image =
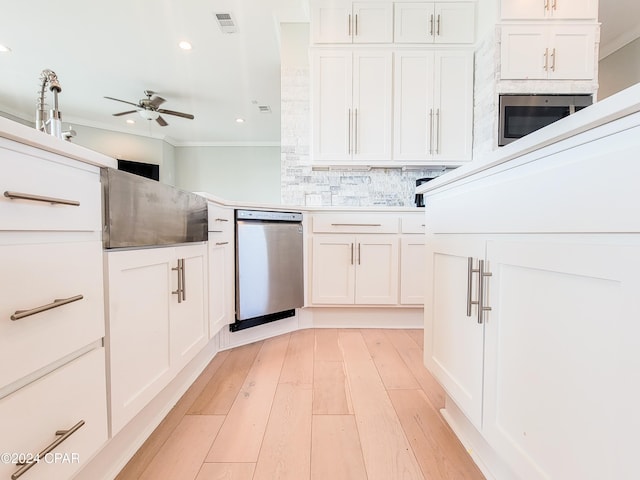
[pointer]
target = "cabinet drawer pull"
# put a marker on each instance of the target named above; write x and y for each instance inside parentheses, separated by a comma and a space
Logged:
(19, 314)
(221, 219)
(546, 60)
(431, 26)
(359, 255)
(184, 283)
(352, 254)
(349, 24)
(39, 198)
(470, 272)
(481, 276)
(178, 269)
(438, 28)
(553, 60)
(356, 24)
(356, 224)
(62, 436)
(222, 243)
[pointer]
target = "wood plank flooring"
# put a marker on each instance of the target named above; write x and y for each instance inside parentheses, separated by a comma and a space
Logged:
(320, 404)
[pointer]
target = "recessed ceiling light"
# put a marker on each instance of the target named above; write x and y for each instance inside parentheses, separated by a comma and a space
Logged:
(184, 45)
(131, 122)
(239, 120)
(4, 49)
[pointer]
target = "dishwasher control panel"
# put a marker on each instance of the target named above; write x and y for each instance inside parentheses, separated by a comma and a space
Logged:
(268, 215)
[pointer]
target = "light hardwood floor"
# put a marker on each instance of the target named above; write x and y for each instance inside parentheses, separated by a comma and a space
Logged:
(321, 404)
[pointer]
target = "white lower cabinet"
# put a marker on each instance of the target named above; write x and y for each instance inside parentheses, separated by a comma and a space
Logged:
(540, 376)
(412, 269)
(561, 363)
(157, 303)
(221, 268)
(454, 340)
(68, 406)
(355, 269)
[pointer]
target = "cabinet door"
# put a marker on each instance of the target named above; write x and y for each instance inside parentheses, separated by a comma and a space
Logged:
(454, 23)
(573, 53)
(221, 285)
(540, 9)
(376, 270)
(561, 365)
(453, 104)
(331, 105)
(413, 23)
(413, 100)
(454, 342)
(524, 52)
(333, 272)
(372, 22)
(140, 285)
(189, 318)
(331, 23)
(412, 269)
(372, 91)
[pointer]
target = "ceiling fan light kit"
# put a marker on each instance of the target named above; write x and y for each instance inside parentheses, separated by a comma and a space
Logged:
(148, 109)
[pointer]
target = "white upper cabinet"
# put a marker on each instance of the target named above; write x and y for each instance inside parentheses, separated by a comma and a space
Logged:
(357, 22)
(434, 22)
(559, 52)
(351, 103)
(433, 106)
(547, 9)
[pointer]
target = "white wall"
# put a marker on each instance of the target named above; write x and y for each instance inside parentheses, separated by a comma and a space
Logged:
(619, 70)
(248, 174)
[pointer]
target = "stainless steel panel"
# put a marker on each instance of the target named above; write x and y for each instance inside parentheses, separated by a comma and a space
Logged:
(140, 212)
(269, 270)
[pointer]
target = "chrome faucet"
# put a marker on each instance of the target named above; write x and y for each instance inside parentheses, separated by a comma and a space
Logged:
(53, 124)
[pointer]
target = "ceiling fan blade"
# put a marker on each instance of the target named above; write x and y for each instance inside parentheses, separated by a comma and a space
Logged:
(157, 101)
(177, 114)
(161, 122)
(124, 113)
(123, 101)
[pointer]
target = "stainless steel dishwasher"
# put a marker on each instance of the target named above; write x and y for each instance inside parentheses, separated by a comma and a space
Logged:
(269, 266)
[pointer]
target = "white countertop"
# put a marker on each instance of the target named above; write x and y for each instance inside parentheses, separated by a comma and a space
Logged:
(303, 208)
(30, 136)
(620, 105)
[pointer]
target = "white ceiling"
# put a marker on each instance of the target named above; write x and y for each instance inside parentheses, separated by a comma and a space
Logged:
(119, 48)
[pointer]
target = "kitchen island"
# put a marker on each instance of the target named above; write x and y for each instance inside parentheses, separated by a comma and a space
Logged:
(531, 312)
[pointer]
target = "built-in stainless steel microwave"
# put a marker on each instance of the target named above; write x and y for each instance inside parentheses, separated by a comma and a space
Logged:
(523, 114)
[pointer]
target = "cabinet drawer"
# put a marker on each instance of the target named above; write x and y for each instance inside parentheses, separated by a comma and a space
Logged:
(31, 416)
(63, 197)
(413, 224)
(35, 276)
(220, 219)
(361, 223)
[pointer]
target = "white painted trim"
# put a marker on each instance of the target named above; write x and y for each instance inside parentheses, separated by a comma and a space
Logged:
(226, 144)
(619, 42)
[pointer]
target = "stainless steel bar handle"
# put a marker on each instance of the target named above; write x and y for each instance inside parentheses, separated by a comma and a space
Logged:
(554, 5)
(356, 224)
(553, 60)
(470, 272)
(356, 24)
(438, 29)
(481, 306)
(546, 4)
(184, 283)
(221, 219)
(19, 314)
(62, 436)
(431, 26)
(352, 254)
(40, 198)
(349, 24)
(355, 129)
(222, 243)
(179, 290)
(359, 257)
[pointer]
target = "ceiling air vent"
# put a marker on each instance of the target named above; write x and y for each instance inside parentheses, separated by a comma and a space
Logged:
(264, 108)
(226, 23)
